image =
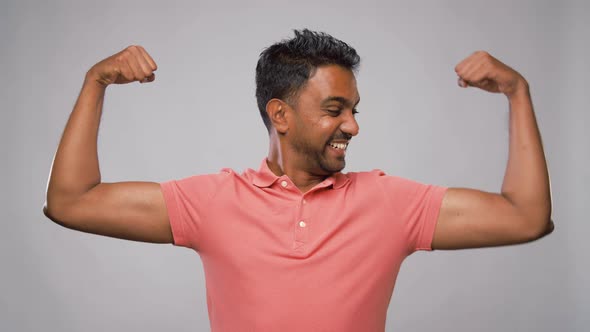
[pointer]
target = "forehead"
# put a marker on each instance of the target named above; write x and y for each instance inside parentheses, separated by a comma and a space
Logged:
(330, 81)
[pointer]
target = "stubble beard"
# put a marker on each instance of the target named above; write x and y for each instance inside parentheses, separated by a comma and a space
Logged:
(317, 159)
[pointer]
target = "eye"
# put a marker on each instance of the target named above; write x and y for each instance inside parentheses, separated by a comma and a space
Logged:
(354, 111)
(334, 111)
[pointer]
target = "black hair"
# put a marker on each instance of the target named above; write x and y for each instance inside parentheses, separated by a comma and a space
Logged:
(284, 67)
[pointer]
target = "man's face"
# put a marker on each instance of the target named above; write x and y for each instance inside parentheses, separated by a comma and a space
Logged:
(323, 121)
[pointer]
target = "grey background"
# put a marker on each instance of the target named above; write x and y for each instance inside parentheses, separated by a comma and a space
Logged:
(200, 115)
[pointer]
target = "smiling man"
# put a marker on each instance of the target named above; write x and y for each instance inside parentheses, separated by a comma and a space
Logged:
(309, 133)
(297, 245)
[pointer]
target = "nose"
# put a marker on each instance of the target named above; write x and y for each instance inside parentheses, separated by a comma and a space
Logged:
(349, 124)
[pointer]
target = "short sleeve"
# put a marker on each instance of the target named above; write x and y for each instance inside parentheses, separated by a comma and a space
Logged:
(186, 202)
(416, 206)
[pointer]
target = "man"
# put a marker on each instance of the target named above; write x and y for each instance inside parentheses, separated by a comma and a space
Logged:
(298, 245)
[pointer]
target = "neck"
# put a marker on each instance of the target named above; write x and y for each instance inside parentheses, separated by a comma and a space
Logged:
(281, 163)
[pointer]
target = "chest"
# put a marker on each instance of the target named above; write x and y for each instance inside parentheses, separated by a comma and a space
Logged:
(273, 229)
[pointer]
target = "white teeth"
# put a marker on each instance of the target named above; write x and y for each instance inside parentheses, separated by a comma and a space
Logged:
(341, 146)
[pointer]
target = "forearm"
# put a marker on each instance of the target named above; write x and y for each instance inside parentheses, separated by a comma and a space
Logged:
(75, 168)
(526, 181)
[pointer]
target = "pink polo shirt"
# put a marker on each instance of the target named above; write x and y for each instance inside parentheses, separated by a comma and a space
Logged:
(279, 260)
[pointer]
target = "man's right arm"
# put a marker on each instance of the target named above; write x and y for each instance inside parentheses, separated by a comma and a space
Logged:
(76, 197)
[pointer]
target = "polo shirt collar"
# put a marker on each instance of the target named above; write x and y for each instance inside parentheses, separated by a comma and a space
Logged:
(264, 178)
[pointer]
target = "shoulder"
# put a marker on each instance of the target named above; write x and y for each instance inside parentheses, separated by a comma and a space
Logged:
(376, 175)
(390, 184)
(202, 181)
(356, 177)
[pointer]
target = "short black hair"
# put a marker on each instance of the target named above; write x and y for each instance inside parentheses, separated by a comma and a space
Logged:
(284, 67)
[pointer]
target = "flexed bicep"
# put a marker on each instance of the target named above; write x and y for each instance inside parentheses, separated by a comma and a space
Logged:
(127, 210)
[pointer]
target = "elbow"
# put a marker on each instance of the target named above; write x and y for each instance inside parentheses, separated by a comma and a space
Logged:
(49, 212)
(535, 220)
(55, 212)
(546, 229)
(65, 208)
(540, 228)
(545, 222)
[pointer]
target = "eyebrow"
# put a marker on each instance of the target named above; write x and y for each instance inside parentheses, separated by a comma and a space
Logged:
(342, 100)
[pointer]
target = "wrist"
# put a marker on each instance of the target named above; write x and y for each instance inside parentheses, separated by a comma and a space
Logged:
(93, 79)
(519, 92)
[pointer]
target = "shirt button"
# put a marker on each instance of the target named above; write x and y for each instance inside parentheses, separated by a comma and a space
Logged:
(302, 224)
(304, 202)
(284, 184)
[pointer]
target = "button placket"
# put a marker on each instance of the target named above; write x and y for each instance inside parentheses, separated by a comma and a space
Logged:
(302, 223)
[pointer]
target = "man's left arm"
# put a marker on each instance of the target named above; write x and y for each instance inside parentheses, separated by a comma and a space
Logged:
(521, 213)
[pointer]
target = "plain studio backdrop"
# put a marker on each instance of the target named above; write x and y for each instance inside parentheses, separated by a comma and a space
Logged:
(200, 115)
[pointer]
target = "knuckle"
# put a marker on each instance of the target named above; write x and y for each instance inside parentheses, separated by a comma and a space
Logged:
(126, 52)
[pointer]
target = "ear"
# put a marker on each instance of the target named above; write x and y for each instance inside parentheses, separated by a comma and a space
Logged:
(276, 110)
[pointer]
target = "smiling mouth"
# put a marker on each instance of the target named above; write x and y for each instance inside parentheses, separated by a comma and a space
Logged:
(340, 146)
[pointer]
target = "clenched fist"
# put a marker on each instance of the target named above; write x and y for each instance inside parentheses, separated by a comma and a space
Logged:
(483, 71)
(130, 65)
